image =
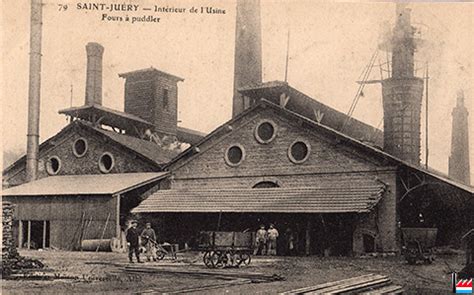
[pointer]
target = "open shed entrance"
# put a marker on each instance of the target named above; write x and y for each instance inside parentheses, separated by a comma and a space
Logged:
(34, 234)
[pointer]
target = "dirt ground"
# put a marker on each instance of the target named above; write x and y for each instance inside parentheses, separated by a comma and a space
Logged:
(100, 273)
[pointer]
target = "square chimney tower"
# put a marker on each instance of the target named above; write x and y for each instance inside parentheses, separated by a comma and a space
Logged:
(152, 95)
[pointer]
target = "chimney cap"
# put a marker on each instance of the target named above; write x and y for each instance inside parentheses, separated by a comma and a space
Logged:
(94, 46)
(150, 71)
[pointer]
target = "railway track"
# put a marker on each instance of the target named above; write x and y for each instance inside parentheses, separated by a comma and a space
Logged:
(366, 284)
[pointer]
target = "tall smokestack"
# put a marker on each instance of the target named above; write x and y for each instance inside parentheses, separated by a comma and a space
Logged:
(459, 159)
(34, 88)
(248, 51)
(402, 94)
(95, 52)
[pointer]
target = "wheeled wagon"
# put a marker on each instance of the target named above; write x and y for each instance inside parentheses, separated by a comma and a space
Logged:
(226, 249)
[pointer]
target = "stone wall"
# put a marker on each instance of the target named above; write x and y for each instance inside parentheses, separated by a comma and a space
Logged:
(8, 242)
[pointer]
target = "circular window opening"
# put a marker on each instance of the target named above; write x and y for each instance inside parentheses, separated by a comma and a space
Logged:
(299, 151)
(234, 155)
(106, 162)
(53, 165)
(80, 147)
(265, 132)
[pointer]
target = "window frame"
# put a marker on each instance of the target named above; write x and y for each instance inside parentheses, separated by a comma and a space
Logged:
(308, 147)
(226, 155)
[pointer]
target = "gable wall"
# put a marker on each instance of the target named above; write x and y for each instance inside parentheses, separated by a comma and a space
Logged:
(125, 161)
(327, 157)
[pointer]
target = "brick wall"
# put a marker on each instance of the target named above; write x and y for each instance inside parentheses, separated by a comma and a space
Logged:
(145, 98)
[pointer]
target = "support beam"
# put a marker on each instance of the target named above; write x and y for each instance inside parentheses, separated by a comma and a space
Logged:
(117, 217)
(44, 234)
(28, 241)
(20, 234)
(308, 236)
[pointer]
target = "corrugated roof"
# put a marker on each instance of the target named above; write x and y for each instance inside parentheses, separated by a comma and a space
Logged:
(343, 199)
(92, 184)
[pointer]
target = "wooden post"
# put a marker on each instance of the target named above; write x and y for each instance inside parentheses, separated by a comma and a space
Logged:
(308, 236)
(20, 234)
(117, 218)
(44, 234)
(103, 232)
(28, 241)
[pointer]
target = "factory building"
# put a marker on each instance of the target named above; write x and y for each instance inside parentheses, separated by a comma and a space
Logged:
(342, 186)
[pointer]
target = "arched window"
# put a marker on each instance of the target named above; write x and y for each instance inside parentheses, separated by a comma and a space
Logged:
(266, 184)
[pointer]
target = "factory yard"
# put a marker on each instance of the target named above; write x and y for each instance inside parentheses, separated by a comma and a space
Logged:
(103, 273)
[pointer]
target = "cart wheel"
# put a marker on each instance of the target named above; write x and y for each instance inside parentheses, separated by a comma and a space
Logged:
(207, 259)
(218, 259)
(160, 255)
(244, 259)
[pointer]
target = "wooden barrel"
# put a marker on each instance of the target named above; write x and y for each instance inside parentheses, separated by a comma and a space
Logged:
(105, 245)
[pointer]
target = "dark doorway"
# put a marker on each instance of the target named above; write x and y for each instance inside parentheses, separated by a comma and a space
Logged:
(369, 243)
(34, 234)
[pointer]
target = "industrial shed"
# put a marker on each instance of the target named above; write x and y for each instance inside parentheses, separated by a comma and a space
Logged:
(271, 165)
(61, 211)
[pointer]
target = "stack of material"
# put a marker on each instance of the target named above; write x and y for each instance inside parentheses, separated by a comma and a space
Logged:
(11, 260)
(366, 284)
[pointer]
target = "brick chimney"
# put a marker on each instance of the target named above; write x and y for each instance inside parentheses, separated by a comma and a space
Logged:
(152, 95)
(95, 52)
(459, 159)
(248, 52)
(402, 94)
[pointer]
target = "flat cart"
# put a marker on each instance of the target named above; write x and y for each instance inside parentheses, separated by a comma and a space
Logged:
(226, 249)
(418, 244)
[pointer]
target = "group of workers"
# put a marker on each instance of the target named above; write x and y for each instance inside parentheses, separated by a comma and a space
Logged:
(148, 239)
(266, 240)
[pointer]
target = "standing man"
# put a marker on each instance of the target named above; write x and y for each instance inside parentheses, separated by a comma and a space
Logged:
(149, 236)
(272, 235)
(133, 241)
(261, 239)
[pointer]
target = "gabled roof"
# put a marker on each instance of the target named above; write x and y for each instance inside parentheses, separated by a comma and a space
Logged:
(90, 184)
(340, 199)
(263, 103)
(306, 106)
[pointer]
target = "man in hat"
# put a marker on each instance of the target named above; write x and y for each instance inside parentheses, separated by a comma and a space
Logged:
(272, 235)
(261, 240)
(133, 241)
(149, 238)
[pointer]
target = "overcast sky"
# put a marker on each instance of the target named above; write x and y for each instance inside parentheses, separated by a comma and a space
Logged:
(330, 44)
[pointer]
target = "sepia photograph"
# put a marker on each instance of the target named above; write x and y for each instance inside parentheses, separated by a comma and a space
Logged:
(237, 147)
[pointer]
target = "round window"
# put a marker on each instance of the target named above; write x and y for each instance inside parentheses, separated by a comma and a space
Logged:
(53, 165)
(234, 155)
(79, 147)
(265, 132)
(106, 162)
(299, 151)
